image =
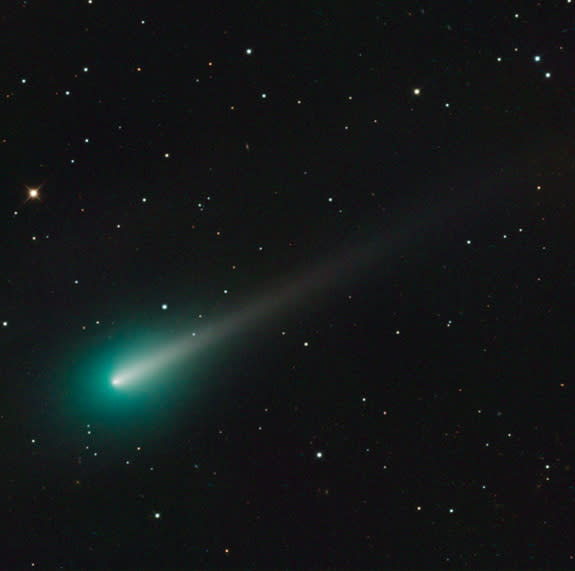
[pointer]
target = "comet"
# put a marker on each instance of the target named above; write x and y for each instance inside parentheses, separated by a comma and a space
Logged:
(281, 298)
(293, 293)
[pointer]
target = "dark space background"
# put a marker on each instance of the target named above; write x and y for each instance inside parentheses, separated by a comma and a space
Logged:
(162, 161)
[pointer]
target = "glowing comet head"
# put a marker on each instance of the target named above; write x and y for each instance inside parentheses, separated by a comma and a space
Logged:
(117, 381)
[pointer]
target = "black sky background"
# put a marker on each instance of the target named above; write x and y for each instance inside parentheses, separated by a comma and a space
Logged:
(448, 445)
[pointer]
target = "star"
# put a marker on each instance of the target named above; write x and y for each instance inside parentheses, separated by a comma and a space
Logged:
(33, 193)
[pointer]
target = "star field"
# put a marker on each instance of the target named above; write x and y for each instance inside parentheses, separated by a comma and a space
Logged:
(287, 286)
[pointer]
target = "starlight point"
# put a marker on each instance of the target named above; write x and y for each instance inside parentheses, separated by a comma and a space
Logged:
(33, 193)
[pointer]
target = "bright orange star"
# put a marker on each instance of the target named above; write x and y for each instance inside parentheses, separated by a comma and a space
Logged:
(33, 192)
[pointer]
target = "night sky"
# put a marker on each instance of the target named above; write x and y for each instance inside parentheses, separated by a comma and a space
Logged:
(287, 285)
